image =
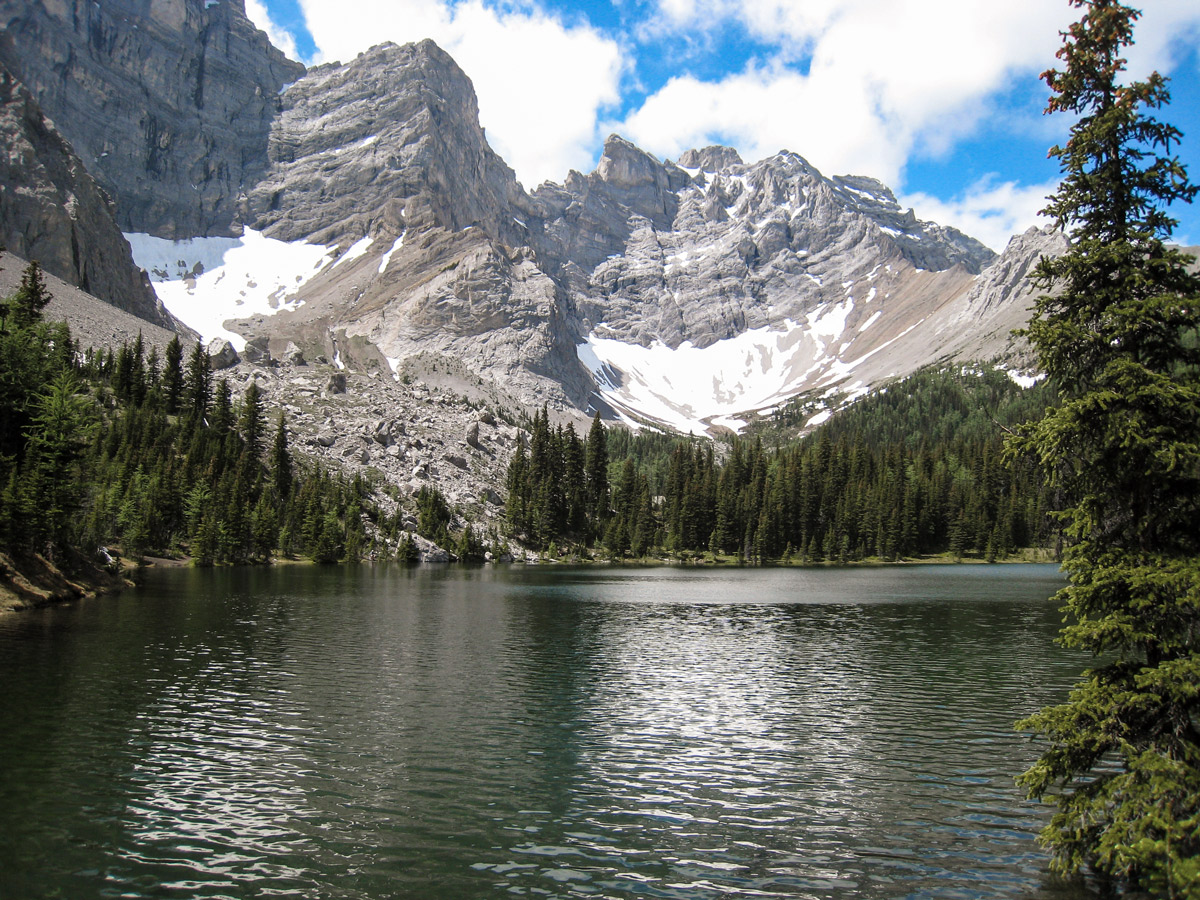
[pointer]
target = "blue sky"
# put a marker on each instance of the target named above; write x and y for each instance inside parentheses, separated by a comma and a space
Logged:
(940, 99)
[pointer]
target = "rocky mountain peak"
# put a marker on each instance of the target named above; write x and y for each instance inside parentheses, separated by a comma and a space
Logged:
(590, 218)
(167, 102)
(626, 166)
(710, 159)
(387, 142)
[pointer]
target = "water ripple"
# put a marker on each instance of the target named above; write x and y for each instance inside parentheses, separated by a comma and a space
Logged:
(374, 734)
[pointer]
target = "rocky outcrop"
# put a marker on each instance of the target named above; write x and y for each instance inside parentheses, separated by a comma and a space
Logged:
(998, 302)
(53, 211)
(168, 103)
(591, 217)
(711, 159)
(388, 143)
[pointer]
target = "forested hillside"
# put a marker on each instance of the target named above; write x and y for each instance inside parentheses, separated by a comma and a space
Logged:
(151, 454)
(912, 471)
(156, 456)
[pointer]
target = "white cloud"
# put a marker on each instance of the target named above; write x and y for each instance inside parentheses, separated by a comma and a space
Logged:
(542, 84)
(763, 111)
(257, 13)
(990, 211)
(886, 79)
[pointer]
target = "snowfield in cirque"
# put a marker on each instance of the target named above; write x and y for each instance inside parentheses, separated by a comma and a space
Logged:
(204, 282)
(693, 389)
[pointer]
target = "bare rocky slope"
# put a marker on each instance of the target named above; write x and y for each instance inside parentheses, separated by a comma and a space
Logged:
(53, 211)
(355, 213)
(93, 322)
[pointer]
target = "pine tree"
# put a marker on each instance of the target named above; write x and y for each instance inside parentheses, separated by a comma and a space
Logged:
(26, 305)
(172, 375)
(58, 438)
(198, 382)
(222, 409)
(250, 422)
(281, 461)
(1118, 334)
(595, 471)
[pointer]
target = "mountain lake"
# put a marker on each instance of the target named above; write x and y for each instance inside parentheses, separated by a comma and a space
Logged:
(445, 732)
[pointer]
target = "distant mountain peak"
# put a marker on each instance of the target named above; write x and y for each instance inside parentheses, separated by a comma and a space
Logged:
(357, 210)
(710, 159)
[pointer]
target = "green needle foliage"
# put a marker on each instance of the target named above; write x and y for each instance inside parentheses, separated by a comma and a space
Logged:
(108, 448)
(1117, 331)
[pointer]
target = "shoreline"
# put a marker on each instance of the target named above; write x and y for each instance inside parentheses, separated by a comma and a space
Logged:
(33, 582)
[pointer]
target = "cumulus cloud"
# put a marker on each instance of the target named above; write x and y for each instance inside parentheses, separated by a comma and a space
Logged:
(257, 13)
(991, 211)
(884, 80)
(543, 84)
(866, 86)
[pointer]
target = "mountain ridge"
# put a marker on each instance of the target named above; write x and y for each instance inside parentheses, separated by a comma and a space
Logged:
(367, 220)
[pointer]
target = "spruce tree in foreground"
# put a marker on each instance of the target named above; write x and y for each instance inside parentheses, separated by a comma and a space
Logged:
(1118, 333)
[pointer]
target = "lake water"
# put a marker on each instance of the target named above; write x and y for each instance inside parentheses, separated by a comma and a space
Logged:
(363, 732)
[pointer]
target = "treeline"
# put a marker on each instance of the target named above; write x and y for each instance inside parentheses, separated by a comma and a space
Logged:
(152, 454)
(913, 471)
(558, 486)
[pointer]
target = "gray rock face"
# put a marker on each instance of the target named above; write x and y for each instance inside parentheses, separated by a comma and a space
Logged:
(221, 353)
(168, 103)
(710, 159)
(388, 143)
(999, 301)
(752, 246)
(590, 218)
(53, 211)
(439, 263)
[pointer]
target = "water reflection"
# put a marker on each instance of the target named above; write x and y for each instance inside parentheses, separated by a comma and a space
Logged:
(354, 733)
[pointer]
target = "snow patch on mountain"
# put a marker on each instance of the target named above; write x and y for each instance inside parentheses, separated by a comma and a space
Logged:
(693, 389)
(357, 249)
(387, 257)
(206, 281)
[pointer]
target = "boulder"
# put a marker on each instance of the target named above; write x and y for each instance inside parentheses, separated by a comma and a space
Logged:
(257, 350)
(221, 353)
(292, 355)
(472, 435)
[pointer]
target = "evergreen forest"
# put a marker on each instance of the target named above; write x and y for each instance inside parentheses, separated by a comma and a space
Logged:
(153, 454)
(912, 471)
